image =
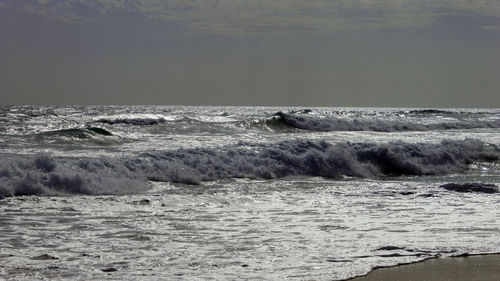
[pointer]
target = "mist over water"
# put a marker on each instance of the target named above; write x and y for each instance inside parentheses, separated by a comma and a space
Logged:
(133, 192)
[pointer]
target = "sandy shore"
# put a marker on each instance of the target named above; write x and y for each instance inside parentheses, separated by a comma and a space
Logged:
(470, 268)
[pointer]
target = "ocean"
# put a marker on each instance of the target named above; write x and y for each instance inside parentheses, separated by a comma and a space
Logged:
(242, 193)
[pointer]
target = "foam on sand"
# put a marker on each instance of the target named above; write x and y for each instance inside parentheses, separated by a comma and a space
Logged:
(465, 267)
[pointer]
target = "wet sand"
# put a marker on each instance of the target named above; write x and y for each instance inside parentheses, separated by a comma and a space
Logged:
(468, 268)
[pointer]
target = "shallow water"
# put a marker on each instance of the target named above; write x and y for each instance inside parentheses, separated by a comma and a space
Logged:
(294, 229)
(300, 227)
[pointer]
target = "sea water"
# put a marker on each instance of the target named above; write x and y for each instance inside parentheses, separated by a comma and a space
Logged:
(224, 193)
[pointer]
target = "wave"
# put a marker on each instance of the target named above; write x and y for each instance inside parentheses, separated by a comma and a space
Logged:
(132, 121)
(90, 135)
(313, 123)
(273, 124)
(45, 175)
(79, 132)
(431, 111)
(471, 187)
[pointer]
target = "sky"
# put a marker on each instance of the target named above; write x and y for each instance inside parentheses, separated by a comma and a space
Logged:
(393, 53)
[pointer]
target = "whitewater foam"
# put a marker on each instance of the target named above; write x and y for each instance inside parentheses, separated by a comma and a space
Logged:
(40, 175)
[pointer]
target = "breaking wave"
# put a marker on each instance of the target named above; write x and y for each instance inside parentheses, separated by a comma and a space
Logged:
(46, 175)
(274, 124)
(313, 123)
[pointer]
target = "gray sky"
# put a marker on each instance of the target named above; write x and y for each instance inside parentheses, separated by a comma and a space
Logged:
(261, 52)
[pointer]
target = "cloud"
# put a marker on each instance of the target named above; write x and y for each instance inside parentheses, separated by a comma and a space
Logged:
(491, 27)
(244, 16)
(61, 11)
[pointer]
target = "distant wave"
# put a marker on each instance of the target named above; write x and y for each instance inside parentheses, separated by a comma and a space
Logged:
(430, 111)
(41, 175)
(304, 120)
(314, 123)
(132, 121)
(79, 132)
(90, 135)
(42, 113)
(274, 124)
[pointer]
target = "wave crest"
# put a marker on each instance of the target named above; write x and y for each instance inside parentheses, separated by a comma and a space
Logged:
(313, 123)
(89, 135)
(132, 121)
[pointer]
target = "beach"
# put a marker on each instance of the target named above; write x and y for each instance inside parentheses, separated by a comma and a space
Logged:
(474, 267)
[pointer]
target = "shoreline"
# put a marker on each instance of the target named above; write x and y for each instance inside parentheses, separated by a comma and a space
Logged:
(484, 267)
